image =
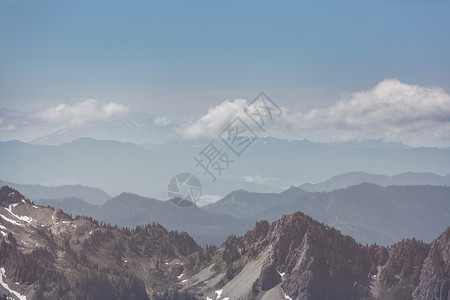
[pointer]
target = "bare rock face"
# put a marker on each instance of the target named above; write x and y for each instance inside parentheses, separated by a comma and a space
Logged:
(185, 243)
(9, 196)
(258, 233)
(269, 276)
(47, 254)
(434, 282)
(309, 260)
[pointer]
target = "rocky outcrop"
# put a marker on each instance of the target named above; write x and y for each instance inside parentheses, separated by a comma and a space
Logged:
(309, 260)
(258, 233)
(9, 196)
(434, 282)
(47, 254)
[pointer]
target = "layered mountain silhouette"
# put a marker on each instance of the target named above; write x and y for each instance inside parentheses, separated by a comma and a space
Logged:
(354, 178)
(35, 192)
(46, 254)
(367, 212)
(267, 165)
(130, 210)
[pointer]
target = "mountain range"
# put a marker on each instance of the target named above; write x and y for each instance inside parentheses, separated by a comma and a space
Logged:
(267, 165)
(35, 192)
(46, 254)
(97, 196)
(367, 212)
(130, 210)
(353, 178)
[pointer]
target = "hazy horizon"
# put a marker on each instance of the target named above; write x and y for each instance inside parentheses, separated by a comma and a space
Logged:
(154, 72)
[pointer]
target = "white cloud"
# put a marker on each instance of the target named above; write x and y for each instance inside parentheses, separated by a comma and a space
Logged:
(80, 113)
(258, 179)
(215, 120)
(162, 121)
(28, 126)
(391, 105)
(391, 111)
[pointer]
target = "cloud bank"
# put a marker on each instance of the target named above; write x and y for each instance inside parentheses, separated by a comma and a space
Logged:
(391, 105)
(27, 126)
(391, 111)
(258, 179)
(80, 113)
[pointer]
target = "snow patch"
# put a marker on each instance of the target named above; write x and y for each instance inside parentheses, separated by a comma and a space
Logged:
(10, 220)
(5, 285)
(184, 281)
(2, 227)
(287, 297)
(281, 274)
(25, 218)
(4, 233)
(218, 292)
(179, 276)
(22, 218)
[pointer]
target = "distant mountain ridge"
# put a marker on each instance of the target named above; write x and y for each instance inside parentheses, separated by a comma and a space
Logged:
(267, 165)
(35, 192)
(112, 166)
(354, 178)
(367, 212)
(130, 210)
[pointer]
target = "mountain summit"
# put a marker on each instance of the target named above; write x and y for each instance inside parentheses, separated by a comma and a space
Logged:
(47, 254)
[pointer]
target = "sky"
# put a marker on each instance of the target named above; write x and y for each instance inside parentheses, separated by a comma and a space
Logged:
(340, 70)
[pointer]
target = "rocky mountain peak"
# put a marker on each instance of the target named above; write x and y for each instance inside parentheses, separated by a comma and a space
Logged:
(9, 196)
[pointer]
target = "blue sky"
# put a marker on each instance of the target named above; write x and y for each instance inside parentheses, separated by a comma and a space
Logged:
(187, 56)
